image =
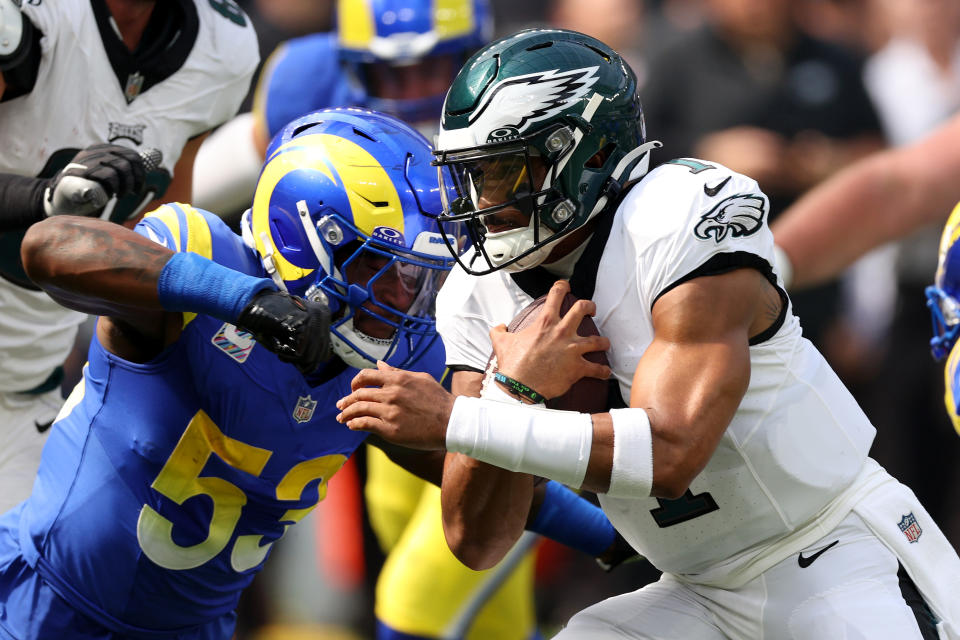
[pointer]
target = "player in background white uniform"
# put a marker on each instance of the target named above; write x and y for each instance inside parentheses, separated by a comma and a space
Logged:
(740, 466)
(144, 75)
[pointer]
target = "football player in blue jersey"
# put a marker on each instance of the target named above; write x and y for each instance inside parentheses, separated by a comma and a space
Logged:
(204, 424)
(393, 56)
(943, 300)
(398, 57)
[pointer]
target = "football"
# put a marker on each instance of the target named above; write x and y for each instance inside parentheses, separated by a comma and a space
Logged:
(587, 395)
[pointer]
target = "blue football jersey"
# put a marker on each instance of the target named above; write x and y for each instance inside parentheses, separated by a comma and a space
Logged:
(282, 94)
(164, 485)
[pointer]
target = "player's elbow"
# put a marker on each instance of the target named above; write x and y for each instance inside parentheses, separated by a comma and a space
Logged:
(674, 470)
(38, 245)
(475, 550)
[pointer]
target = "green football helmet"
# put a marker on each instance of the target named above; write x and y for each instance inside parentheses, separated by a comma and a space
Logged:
(540, 130)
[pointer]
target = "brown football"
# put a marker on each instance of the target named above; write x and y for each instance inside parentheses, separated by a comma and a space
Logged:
(588, 395)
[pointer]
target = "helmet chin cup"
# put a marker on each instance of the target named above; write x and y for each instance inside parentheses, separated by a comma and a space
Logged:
(357, 349)
(507, 245)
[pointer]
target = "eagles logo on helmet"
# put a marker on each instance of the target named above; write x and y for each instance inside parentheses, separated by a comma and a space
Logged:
(540, 131)
(345, 212)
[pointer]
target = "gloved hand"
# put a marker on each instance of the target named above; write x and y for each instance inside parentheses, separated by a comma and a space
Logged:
(96, 174)
(297, 330)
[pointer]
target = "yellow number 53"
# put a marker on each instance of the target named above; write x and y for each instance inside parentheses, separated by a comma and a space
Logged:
(180, 479)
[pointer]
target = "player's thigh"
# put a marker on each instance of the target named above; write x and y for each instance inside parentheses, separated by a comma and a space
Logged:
(421, 566)
(851, 590)
(664, 609)
(392, 494)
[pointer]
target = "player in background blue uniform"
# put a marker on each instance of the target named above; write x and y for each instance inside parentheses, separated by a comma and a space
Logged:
(393, 56)
(204, 424)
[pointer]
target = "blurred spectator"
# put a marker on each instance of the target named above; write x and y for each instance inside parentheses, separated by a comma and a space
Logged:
(751, 91)
(914, 80)
(619, 23)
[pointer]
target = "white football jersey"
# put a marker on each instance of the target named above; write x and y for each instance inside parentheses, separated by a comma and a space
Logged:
(79, 100)
(798, 439)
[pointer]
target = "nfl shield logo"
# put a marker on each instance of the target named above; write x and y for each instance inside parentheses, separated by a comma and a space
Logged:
(908, 524)
(304, 409)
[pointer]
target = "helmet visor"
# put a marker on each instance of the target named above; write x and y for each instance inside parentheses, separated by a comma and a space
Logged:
(507, 179)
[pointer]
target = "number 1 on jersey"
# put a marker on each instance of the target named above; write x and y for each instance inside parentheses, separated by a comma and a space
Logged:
(686, 507)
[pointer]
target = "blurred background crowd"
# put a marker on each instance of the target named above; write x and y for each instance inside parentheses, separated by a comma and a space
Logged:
(786, 91)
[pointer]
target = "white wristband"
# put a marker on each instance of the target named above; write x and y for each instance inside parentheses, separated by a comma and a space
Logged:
(527, 438)
(632, 473)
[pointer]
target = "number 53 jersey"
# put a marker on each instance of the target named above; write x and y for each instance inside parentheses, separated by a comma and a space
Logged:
(164, 485)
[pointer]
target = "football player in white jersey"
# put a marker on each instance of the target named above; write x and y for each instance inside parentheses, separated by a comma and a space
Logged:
(123, 74)
(738, 462)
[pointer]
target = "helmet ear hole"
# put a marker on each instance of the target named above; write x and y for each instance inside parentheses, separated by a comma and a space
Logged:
(597, 160)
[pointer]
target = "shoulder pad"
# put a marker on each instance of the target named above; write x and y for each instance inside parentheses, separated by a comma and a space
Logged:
(16, 34)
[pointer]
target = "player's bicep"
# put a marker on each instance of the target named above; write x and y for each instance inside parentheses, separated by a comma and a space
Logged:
(694, 374)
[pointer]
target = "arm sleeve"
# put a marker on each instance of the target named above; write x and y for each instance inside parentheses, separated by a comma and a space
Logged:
(21, 201)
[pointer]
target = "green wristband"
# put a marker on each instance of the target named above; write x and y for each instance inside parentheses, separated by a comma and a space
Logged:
(517, 388)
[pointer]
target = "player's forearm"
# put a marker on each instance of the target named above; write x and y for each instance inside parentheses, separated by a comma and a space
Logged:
(837, 222)
(21, 201)
(485, 509)
(872, 202)
(94, 266)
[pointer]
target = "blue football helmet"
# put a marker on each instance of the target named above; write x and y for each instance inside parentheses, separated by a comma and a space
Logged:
(345, 213)
(382, 40)
(943, 297)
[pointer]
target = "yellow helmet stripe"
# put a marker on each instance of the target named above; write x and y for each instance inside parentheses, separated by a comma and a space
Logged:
(453, 18)
(949, 372)
(951, 232)
(356, 26)
(374, 200)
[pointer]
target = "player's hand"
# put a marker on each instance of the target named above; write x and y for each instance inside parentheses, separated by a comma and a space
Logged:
(547, 355)
(403, 407)
(297, 330)
(95, 175)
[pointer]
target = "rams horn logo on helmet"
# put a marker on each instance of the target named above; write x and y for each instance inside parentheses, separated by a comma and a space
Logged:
(741, 215)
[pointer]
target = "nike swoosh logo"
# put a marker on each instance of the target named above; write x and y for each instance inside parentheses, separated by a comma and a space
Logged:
(43, 426)
(806, 562)
(712, 191)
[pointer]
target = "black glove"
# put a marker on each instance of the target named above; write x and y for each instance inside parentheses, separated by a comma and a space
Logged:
(619, 552)
(297, 330)
(95, 174)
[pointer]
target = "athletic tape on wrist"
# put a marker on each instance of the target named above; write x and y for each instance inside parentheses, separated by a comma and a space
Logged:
(189, 282)
(574, 521)
(527, 438)
(632, 473)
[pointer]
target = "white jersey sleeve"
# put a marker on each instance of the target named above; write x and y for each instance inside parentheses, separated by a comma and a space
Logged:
(687, 221)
